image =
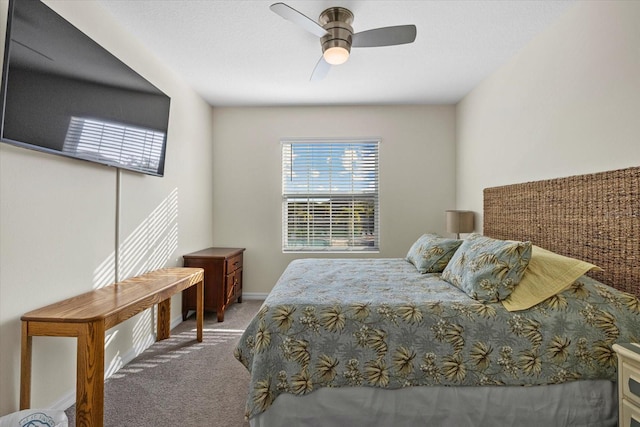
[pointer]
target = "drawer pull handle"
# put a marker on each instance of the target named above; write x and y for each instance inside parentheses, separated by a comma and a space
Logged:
(634, 387)
(236, 263)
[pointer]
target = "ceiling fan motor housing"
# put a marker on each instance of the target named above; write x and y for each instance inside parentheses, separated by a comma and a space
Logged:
(337, 22)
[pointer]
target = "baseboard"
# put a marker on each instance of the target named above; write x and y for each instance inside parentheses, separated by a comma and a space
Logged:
(254, 295)
(176, 321)
(69, 398)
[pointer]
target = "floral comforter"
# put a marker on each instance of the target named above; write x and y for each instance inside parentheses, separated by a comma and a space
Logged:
(380, 323)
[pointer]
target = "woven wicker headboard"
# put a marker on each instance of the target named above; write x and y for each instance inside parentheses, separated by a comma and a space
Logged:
(593, 217)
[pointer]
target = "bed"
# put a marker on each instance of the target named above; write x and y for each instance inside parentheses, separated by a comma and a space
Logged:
(377, 342)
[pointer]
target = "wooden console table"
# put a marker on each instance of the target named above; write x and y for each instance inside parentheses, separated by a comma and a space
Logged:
(89, 315)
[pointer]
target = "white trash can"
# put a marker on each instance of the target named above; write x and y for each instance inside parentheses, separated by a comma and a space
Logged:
(35, 418)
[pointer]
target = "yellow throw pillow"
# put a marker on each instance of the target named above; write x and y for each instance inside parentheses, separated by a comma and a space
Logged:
(546, 275)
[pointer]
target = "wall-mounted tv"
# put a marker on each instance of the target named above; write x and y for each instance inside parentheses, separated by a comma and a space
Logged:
(62, 93)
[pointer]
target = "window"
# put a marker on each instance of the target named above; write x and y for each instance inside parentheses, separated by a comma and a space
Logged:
(330, 195)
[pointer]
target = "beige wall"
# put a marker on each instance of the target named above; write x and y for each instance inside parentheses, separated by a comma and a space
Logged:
(58, 216)
(567, 104)
(416, 175)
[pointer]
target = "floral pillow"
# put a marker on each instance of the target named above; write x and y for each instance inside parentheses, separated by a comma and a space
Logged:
(431, 253)
(488, 269)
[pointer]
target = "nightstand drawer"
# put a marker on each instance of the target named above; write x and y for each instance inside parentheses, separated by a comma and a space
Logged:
(631, 382)
(234, 263)
(630, 416)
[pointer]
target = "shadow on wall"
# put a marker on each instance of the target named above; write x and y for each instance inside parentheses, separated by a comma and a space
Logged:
(147, 248)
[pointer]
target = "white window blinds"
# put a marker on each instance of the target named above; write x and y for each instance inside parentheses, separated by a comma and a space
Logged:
(330, 195)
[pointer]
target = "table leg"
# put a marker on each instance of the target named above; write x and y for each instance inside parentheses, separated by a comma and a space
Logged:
(90, 375)
(199, 309)
(164, 320)
(25, 367)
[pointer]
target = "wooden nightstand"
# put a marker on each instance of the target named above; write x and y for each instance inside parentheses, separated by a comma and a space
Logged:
(628, 384)
(222, 279)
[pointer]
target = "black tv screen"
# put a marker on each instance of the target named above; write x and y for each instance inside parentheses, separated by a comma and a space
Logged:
(62, 93)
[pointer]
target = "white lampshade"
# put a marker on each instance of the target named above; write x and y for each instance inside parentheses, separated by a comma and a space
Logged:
(459, 222)
(336, 55)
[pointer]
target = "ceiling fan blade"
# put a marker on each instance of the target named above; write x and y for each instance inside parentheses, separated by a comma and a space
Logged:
(385, 36)
(321, 70)
(290, 14)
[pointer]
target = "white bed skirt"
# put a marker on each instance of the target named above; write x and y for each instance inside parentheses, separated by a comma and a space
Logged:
(579, 403)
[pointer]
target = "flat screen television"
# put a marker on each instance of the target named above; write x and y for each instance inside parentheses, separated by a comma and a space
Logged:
(64, 94)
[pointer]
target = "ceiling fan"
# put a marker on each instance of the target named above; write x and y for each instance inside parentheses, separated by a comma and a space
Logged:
(337, 36)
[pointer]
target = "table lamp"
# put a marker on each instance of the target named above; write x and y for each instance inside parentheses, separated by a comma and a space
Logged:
(459, 222)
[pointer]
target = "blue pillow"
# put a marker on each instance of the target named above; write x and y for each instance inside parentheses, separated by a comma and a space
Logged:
(488, 269)
(431, 253)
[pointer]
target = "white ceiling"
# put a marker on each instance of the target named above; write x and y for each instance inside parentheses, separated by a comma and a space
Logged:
(239, 53)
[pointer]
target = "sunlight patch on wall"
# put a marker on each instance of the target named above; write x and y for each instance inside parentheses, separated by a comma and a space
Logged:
(115, 363)
(105, 273)
(151, 244)
(142, 337)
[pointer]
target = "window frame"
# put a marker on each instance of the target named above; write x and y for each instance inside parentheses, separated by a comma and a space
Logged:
(335, 201)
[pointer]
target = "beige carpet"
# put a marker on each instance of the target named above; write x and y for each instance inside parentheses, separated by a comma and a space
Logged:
(181, 382)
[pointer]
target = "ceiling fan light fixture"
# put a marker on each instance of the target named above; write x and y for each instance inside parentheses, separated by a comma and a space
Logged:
(336, 55)
(336, 44)
(337, 36)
